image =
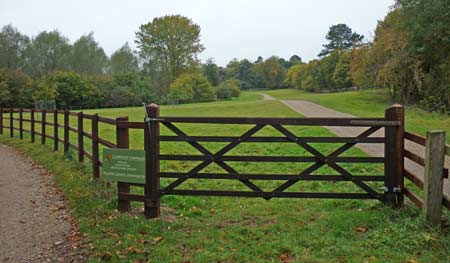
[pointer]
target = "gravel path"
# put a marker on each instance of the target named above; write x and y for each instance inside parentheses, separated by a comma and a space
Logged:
(34, 223)
(310, 109)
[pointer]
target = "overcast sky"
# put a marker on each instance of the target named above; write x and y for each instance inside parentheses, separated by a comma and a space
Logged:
(229, 28)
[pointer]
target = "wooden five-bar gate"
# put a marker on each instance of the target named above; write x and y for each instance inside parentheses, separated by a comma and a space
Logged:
(393, 140)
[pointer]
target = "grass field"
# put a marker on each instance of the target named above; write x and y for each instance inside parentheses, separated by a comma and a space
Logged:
(369, 103)
(221, 229)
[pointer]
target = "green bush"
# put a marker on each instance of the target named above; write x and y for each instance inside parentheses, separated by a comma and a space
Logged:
(228, 89)
(191, 87)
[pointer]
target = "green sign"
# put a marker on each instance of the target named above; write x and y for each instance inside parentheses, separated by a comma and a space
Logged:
(123, 165)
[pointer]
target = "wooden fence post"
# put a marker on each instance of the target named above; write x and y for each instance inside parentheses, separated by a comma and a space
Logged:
(95, 152)
(394, 156)
(11, 122)
(43, 124)
(66, 131)
(21, 123)
(55, 130)
(122, 141)
(152, 204)
(433, 181)
(32, 126)
(80, 137)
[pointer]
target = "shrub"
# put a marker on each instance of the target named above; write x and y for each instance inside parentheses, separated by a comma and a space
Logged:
(73, 91)
(191, 87)
(228, 89)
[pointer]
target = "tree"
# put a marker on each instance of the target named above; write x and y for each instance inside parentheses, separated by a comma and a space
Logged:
(341, 37)
(271, 72)
(361, 69)
(123, 60)
(295, 75)
(427, 26)
(88, 57)
(45, 90)
(242, 71)
(12, 47)
(72, 90)
(259, 60)
(323, 72)
(17, 86)
(294, 60)
(211, 71)
(169, 44)
(341, 73)
(4, 94)
(48, 51)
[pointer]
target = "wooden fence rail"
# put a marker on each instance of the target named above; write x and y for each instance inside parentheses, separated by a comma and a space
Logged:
(393, 177)
(432, 182)
(96, 140)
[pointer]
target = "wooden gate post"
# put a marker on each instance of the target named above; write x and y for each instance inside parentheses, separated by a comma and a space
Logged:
(80, 137)
(433, 181)
(55, 130)
(44, 112)
(122, 141)
(11, 122)
(394, 156)
(66, 131)
(95, 152)
(32, 126)
(152, 204)
(21, 123)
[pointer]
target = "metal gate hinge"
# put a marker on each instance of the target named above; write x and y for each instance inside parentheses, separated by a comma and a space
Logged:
(395, 189)
(148, 119)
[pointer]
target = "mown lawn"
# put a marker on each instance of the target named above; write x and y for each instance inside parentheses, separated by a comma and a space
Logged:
(226, 229)
(369, 103)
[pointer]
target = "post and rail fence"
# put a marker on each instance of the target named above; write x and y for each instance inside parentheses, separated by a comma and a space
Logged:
(393, 160)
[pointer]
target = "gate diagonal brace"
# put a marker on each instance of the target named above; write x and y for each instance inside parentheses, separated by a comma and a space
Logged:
(212, 157)
(326, 160)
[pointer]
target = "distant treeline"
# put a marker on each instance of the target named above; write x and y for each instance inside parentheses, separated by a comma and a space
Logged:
(409, 58)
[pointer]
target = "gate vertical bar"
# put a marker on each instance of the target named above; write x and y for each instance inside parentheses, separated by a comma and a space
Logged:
(21, 123)
(66, 130)
(152, 181)
(433, 187)
(55, 130)
(95, 152)
(32, 128)
(394, 156)
(44, 113)
(122, 141)
(80, 137)
(11, 122)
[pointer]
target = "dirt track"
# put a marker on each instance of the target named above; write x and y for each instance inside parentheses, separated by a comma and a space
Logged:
(310, 109)
(34, 223)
